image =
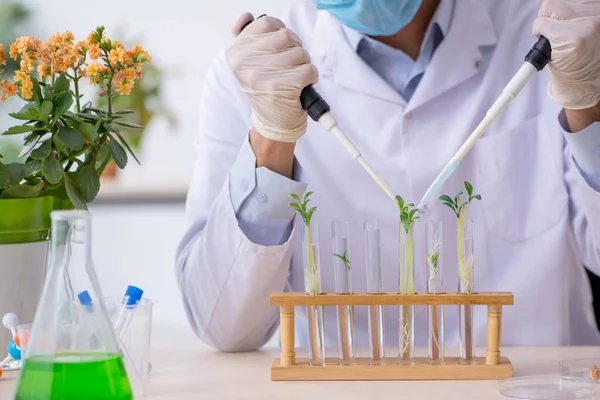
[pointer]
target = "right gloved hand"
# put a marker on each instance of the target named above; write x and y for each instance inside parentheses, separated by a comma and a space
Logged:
(272, 68)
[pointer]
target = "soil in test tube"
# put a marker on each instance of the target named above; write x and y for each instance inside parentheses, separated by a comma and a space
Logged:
(81, 376)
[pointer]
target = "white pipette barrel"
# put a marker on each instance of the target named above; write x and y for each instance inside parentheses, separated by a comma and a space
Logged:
(535, 61)
(331, 125)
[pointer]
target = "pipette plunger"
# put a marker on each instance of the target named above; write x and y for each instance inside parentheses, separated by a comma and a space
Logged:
(535, 61)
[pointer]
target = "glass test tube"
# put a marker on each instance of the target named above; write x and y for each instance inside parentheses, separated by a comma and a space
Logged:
(312, 286)
(435, 313)
(343, 284)
(406, 313)
(374, 271)
(464, 241)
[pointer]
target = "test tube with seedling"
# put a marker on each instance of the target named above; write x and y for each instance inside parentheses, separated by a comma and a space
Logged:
(312, 279)
(343, 284)
(466, 265)
(374, 271)
(406, 278)
(435, 313)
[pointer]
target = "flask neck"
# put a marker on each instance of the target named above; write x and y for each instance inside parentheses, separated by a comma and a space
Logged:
(71, 240)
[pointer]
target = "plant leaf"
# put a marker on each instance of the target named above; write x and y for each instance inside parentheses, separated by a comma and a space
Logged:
(129, 124)
(29, 111)
(125, 112)
(87, 116)
(62, 102)
(16, 172)
(15, 130)
(469, 188)
(477, 196)
(52, 170)
(37, 91)
(29, 145)
(112, 128)
(88, 130)
(457, 197)
(60, 146)
(4, 177)
(306, 196)
(446, 198)
(102, 158)
(45, 110)
(295, 196)
(70, 137)
(31, 166)
(451, 205)
(73, 193)
(118, 153)
(42, 151)
(89, 183)
(310, 213)
(61, 84)
(16, 191)
(124, 143)
(400, 202)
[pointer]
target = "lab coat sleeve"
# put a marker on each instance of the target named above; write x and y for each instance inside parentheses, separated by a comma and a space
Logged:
(261, 199)
(224, 278)
(585, 148)
(584, 195)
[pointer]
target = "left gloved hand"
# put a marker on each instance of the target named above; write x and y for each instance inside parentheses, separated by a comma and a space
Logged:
(573, 29)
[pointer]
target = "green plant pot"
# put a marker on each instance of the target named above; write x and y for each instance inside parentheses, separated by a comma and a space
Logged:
(28, 220)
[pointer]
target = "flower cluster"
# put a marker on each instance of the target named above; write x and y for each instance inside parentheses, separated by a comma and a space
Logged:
(7, 89)
(110, 65)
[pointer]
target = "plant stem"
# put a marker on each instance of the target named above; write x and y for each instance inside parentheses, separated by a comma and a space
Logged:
(76, 85)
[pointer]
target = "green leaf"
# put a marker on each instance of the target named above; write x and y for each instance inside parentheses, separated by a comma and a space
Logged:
(52, 170)
(306, 196)
(60, 146)
(37, 91)
(477, 196)
(48, 92)
(124, 143)
(15, 130)
(404, 222)
(400, 202)
(62, 102)
(412, 213)
(31, 166)
(118, 153)
(16, 191)
(129, 124)
(4, 176)
(29, 145)
(446, 198)
(73, 193)
(112, 128)
(29, 111)
(124, 112)
(310, 213)
(43, 151)
(469, 188)
(103, 157)
(89, 183)
(16, 172)
(45, 110)
(451, 205)
(61, 84)
(88, 130)
(87, 116)
(71, 137)
(457, 197)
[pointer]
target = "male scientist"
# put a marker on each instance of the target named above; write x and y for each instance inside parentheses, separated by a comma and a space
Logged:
(408, 81)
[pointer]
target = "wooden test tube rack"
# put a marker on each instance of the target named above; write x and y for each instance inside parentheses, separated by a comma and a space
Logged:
(491, 367)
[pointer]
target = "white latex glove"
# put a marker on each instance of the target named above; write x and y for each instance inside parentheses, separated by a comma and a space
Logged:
(573, 29)
(272, 68)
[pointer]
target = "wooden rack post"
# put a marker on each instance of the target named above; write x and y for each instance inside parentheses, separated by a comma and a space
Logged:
(492, 366)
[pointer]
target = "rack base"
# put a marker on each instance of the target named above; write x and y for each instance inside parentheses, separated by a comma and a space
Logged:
(362, 371)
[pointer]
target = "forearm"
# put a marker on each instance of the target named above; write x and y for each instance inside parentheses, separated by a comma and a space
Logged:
(579, 120)
(276, 156)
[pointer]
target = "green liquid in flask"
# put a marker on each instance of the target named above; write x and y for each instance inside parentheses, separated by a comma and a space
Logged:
(74, 376)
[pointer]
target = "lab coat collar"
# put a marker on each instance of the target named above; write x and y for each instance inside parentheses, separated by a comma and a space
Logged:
(471, 28)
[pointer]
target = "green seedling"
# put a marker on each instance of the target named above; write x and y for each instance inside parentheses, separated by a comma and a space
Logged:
(311, 284)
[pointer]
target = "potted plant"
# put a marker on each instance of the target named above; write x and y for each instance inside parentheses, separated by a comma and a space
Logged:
(66, 146)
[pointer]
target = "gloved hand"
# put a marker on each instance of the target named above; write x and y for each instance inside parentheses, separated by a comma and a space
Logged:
(272, 68)
(573, 29)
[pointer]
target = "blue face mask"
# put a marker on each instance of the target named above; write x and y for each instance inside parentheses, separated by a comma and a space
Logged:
(372, 17)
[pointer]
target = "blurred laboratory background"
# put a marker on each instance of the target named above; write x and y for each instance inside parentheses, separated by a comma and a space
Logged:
(139, 212)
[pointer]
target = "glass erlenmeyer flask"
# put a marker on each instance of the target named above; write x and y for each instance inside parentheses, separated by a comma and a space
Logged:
(72, 351)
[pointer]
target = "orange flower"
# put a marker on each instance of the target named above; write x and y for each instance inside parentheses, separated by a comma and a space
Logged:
(2, 55)
(124, 86)
(10, 89)
(28, 66)
(25, 47)
(26, 85)
(119, 55)
(44, 70)
(59, 52)
(141, 56)
(94, 52)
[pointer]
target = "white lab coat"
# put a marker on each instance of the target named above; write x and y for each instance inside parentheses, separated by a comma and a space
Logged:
(536, 227)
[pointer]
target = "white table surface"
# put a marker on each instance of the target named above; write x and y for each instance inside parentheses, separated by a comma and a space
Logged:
(184, 368)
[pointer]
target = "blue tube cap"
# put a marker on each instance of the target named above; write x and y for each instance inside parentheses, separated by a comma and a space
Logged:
(132, 295)
(85, 298)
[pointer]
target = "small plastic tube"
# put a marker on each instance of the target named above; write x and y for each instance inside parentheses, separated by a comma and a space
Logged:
(435, 313)
(466, 273)
(406, 285)
(374, 271)
(312, 286)
(130, 301)
(342, 271)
